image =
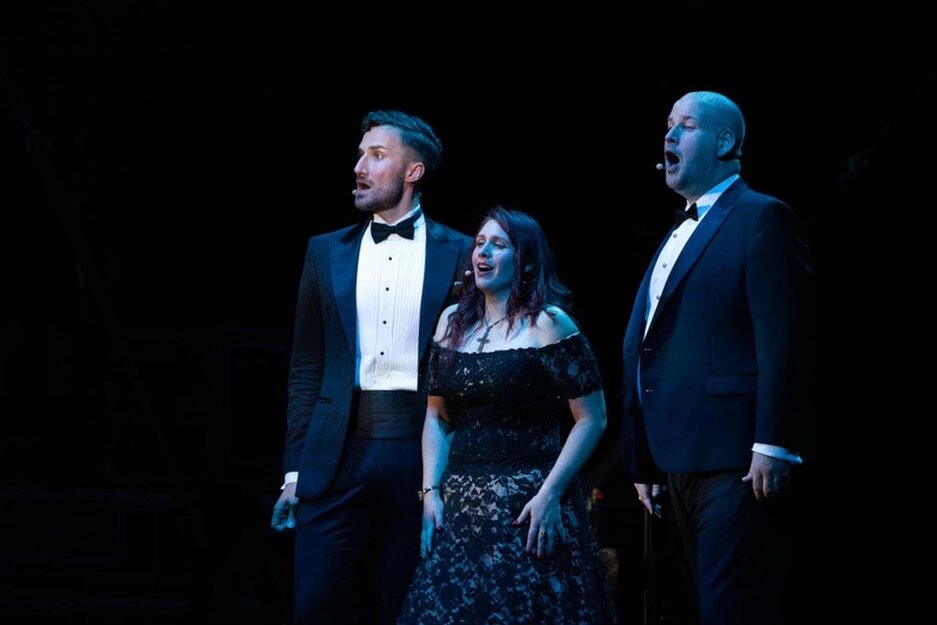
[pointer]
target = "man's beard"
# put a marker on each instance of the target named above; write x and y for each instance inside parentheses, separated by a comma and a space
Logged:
(381, 201)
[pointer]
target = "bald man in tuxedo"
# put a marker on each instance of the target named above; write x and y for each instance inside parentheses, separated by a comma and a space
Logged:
(716, 364)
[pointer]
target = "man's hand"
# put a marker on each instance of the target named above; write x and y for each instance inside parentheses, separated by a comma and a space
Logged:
(645, 492)
(768, 475)
(284, 510)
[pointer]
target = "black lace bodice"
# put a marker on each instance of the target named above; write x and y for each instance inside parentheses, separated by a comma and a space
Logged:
(505, 406)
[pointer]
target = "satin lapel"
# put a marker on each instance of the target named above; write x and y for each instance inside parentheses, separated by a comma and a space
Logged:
(344, 256)
(442, 256)
(697, 244)
(639, 309)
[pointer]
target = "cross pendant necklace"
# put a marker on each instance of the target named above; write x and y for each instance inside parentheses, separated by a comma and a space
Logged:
(483, 339)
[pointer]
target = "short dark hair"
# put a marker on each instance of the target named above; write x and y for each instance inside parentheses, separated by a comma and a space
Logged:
(415, 133)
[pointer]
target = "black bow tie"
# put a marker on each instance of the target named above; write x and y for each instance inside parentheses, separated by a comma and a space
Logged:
(690, 213)
(380, 230)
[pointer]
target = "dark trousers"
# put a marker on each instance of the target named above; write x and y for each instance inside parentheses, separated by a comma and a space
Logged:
(369, 520)
(735, 547)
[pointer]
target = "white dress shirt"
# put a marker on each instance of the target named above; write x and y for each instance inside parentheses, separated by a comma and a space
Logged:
(388, 294)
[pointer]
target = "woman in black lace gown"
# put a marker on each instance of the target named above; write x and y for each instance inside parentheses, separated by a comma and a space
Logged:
(506, 537)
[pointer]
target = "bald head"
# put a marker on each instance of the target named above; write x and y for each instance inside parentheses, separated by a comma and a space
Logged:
(723, 115)
(703, 143)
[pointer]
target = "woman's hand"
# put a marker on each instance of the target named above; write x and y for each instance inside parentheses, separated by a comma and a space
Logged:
(545, 524)
(433, 509)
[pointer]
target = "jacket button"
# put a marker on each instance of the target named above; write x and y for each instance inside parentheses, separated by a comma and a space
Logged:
(648, 390)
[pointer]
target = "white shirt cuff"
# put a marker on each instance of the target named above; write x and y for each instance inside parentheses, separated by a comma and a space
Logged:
(777, 452)
(290, 478)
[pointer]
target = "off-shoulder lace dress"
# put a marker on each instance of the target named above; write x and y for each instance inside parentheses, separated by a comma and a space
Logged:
(505, 408)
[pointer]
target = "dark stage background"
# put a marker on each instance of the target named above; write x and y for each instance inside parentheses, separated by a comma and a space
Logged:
(164, 163)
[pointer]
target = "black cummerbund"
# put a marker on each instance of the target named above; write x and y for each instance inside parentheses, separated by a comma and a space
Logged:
(387, 414)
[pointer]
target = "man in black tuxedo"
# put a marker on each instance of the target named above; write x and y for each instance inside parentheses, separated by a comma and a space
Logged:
(369, 299)
(716, 358)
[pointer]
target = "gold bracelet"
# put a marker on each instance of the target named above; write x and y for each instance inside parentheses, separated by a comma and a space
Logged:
(422, 492)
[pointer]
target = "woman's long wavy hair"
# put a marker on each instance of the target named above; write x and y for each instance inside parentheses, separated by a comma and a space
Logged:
(535, 284)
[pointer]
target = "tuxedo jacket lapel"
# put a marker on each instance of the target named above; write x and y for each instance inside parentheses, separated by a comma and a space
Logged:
(635, 329)
(694, 248)
(344, 256)
(442, 258)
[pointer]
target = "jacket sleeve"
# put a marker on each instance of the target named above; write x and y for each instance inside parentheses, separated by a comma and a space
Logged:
(779, 284)
(306, 362)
